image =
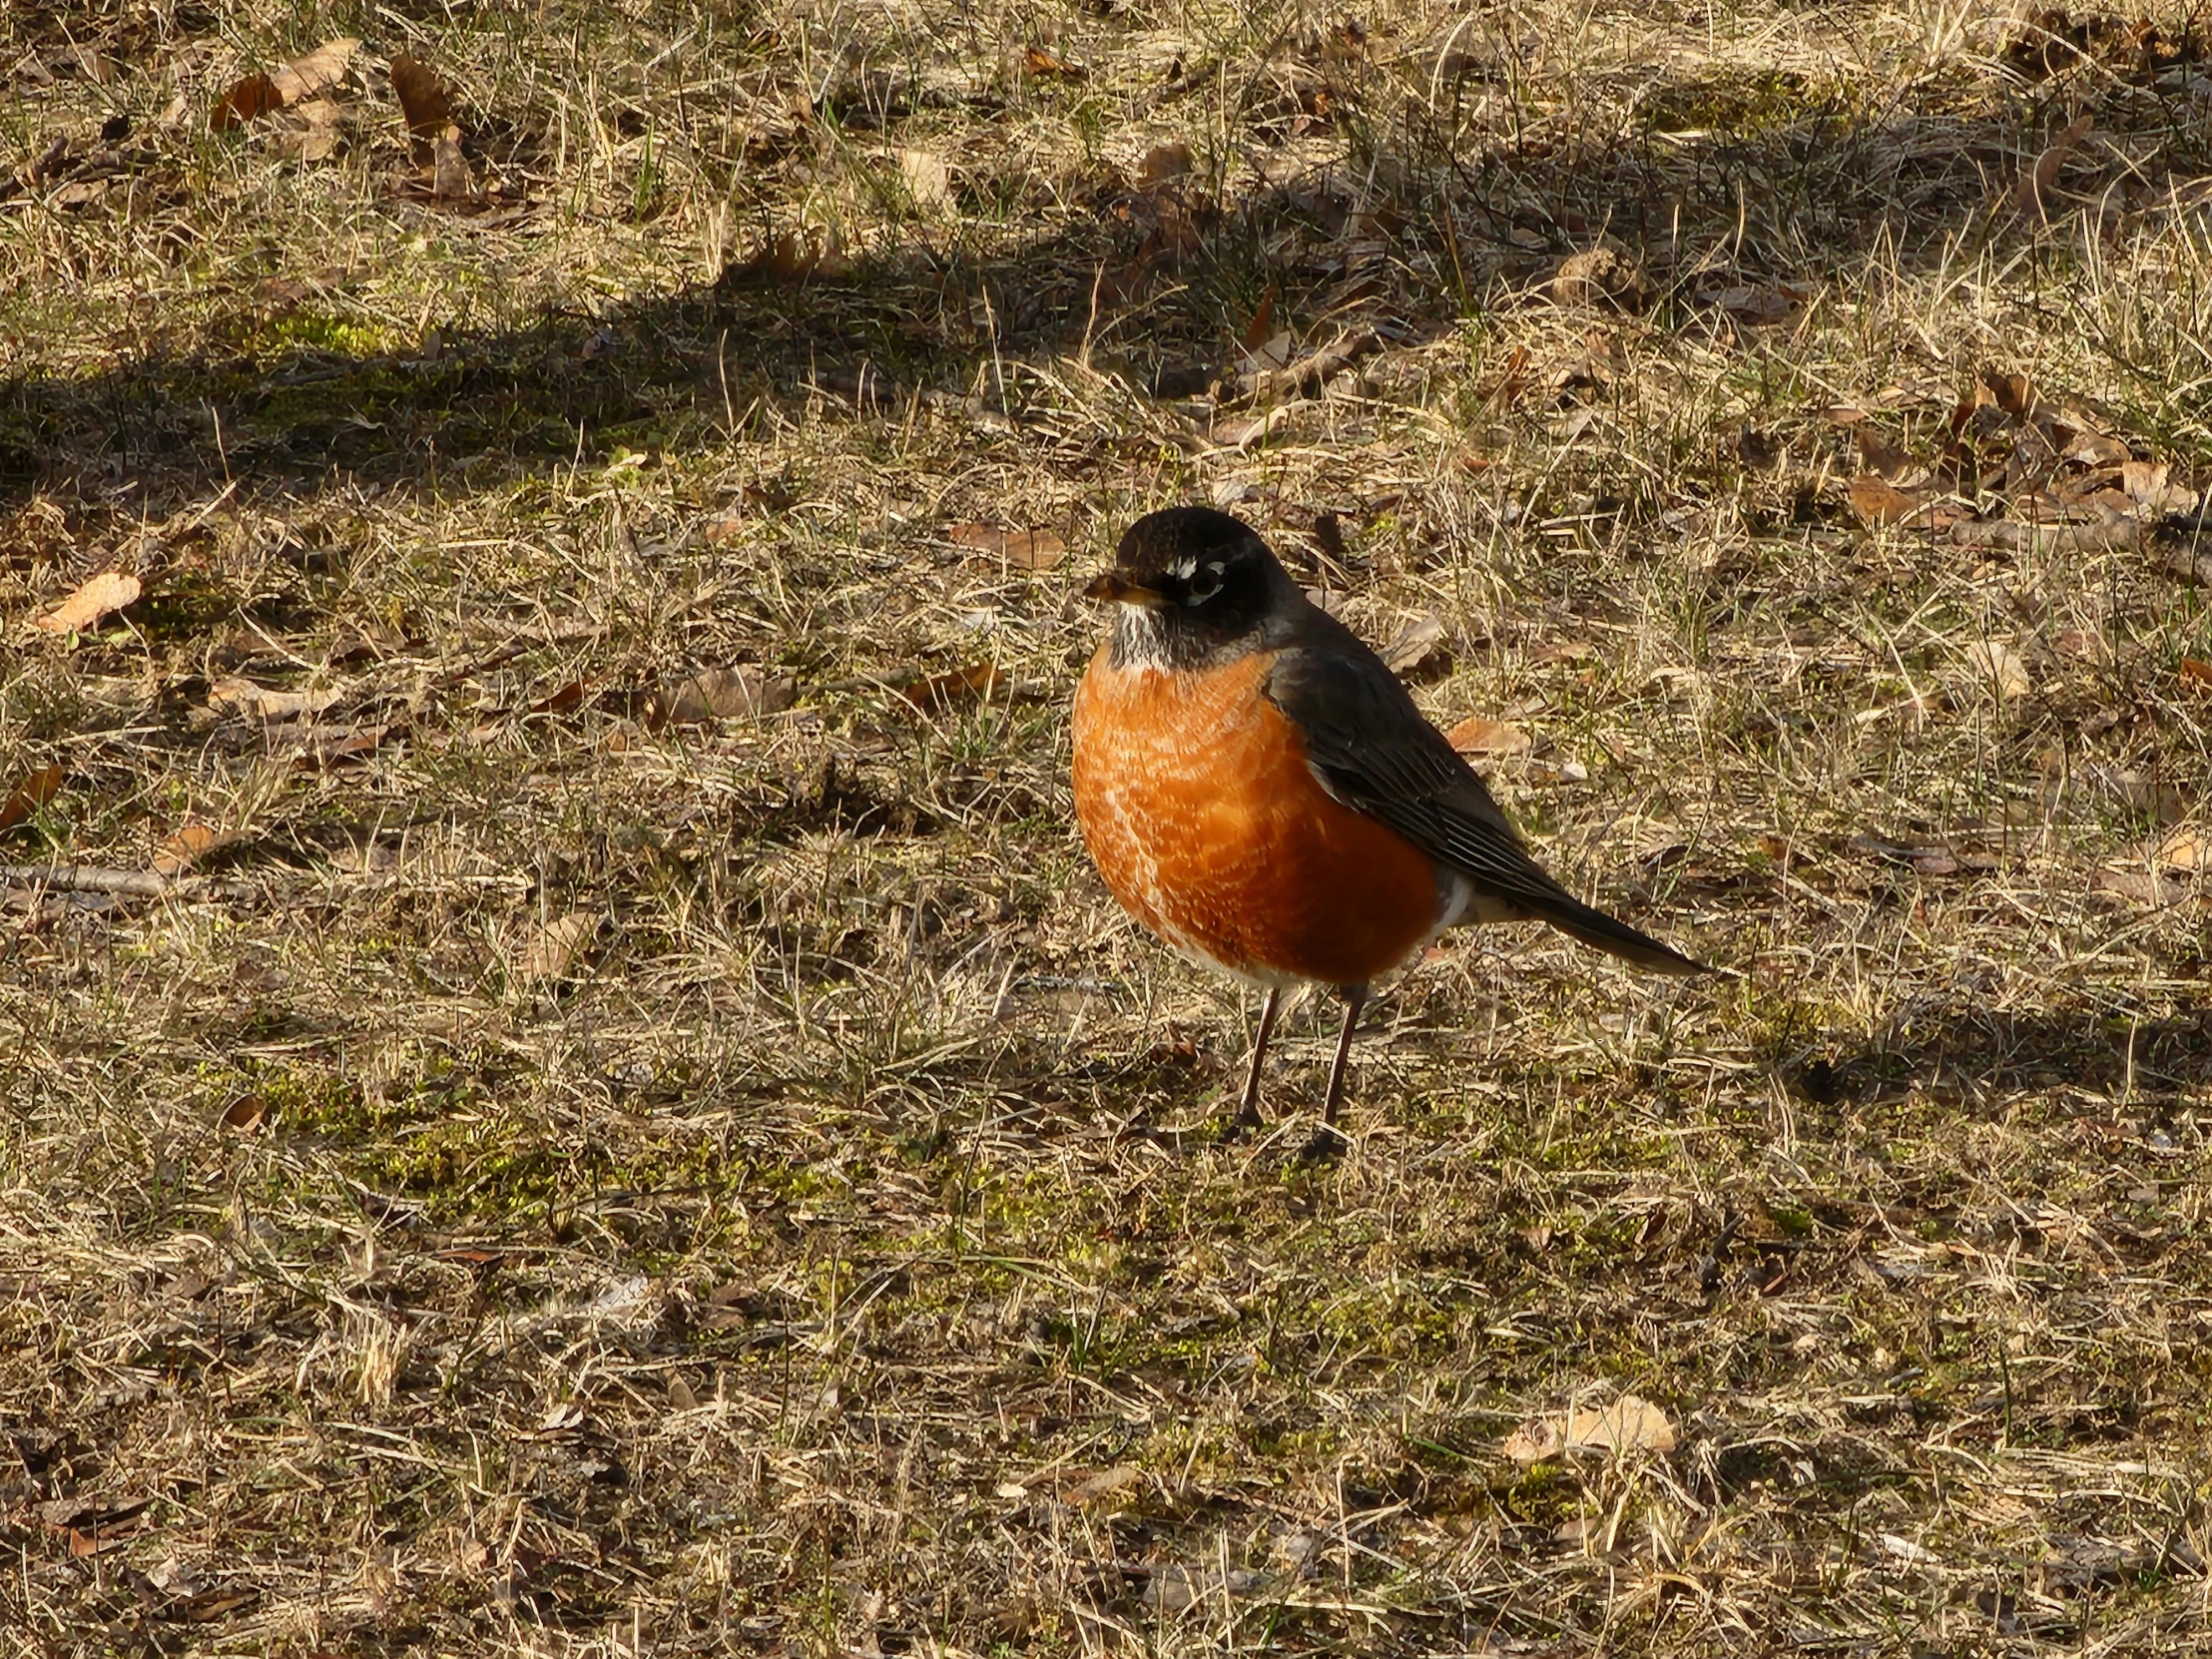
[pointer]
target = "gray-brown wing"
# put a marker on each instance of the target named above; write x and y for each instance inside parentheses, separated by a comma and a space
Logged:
(1372, 750)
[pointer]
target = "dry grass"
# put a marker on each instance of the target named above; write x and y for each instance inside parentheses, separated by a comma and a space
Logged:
(545, 1175)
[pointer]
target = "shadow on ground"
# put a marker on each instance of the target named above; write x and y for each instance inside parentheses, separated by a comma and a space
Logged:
(1719, 188)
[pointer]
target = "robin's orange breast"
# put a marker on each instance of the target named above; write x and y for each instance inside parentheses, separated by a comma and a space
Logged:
(1195, 801)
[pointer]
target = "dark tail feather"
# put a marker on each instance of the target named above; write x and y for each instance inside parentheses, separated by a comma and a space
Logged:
(1617, 939)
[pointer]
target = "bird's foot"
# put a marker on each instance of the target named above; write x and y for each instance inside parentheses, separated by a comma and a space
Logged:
(1326, 1145)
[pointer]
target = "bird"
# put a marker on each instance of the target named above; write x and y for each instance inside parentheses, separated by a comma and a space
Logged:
(1259, 791)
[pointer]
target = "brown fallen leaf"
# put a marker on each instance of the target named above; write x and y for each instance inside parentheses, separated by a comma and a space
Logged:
(928, 180)
(2138, 886)
(1242, 434)
(188, 845)
(1877, 501)
(2037, 180)
(1606, 274)
(2195, 672)
(2187, 849)
(251, 702)
(210, 1605)
(449, 181)
(1037, 550)
(315, 72)
(1534, 1442)
(39, 786)
(1883, 459)
(316, 136)
(1513, 380)
(1105, 1485)
(111, 590)
(2183, 564)
(553, 945)
(1628, 1425)
(1259, 332)
(244, 1113)
(1477, 736)
(249, 99)
(2146, 486)
(1037, 61)
(424, 104)
(253, 95)
(2000, 667)
(326, 746)
(721, 694)
(941, 692)
(1164, 162)
(1414, 644)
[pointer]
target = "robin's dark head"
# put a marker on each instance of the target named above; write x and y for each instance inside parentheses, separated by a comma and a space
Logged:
(1191, 584)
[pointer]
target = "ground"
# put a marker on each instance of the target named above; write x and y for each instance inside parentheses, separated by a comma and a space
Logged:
(569, 1089)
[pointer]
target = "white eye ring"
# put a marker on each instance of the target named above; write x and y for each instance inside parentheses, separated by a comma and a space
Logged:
(1206, 583)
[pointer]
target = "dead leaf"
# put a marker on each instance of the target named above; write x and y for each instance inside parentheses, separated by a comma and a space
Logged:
(2146, 485)
(1512, 381)
(2195, 672)
(975, 683)
(1606, 274)
(251, 702)
(1628, 1425)
(1757, 306)
(2037, 181)
(1259, 333)
(448, 168)
(1534, 1442)
(2000, 667)
(248, 99)
(111, 590)
(312, 745)
(788, 257)
(210, 1605)
(1164, 162)
(1415, 643)
(1877, 501)
(244, 1113)
(316, 136)
(1564, 650)
(2138, 886)
(554, 945)
(721, 694)
(1877, 455)
(928, 180)
(40, 785)
(1242, 434)
(316, 72)
(423, 104)
(192, 841)
(2189, 850)
(1037, 61)
(1477, 736)
(1107, 1483)
(2183, 565)
(1036, 550)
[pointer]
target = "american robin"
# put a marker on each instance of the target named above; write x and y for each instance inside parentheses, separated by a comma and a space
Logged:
(1259, 791)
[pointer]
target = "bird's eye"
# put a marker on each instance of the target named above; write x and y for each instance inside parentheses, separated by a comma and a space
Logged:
(1206, 583)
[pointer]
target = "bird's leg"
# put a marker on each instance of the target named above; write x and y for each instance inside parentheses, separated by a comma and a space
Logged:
(1248, 1112)
(1326, 1142)
(1356, 998)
